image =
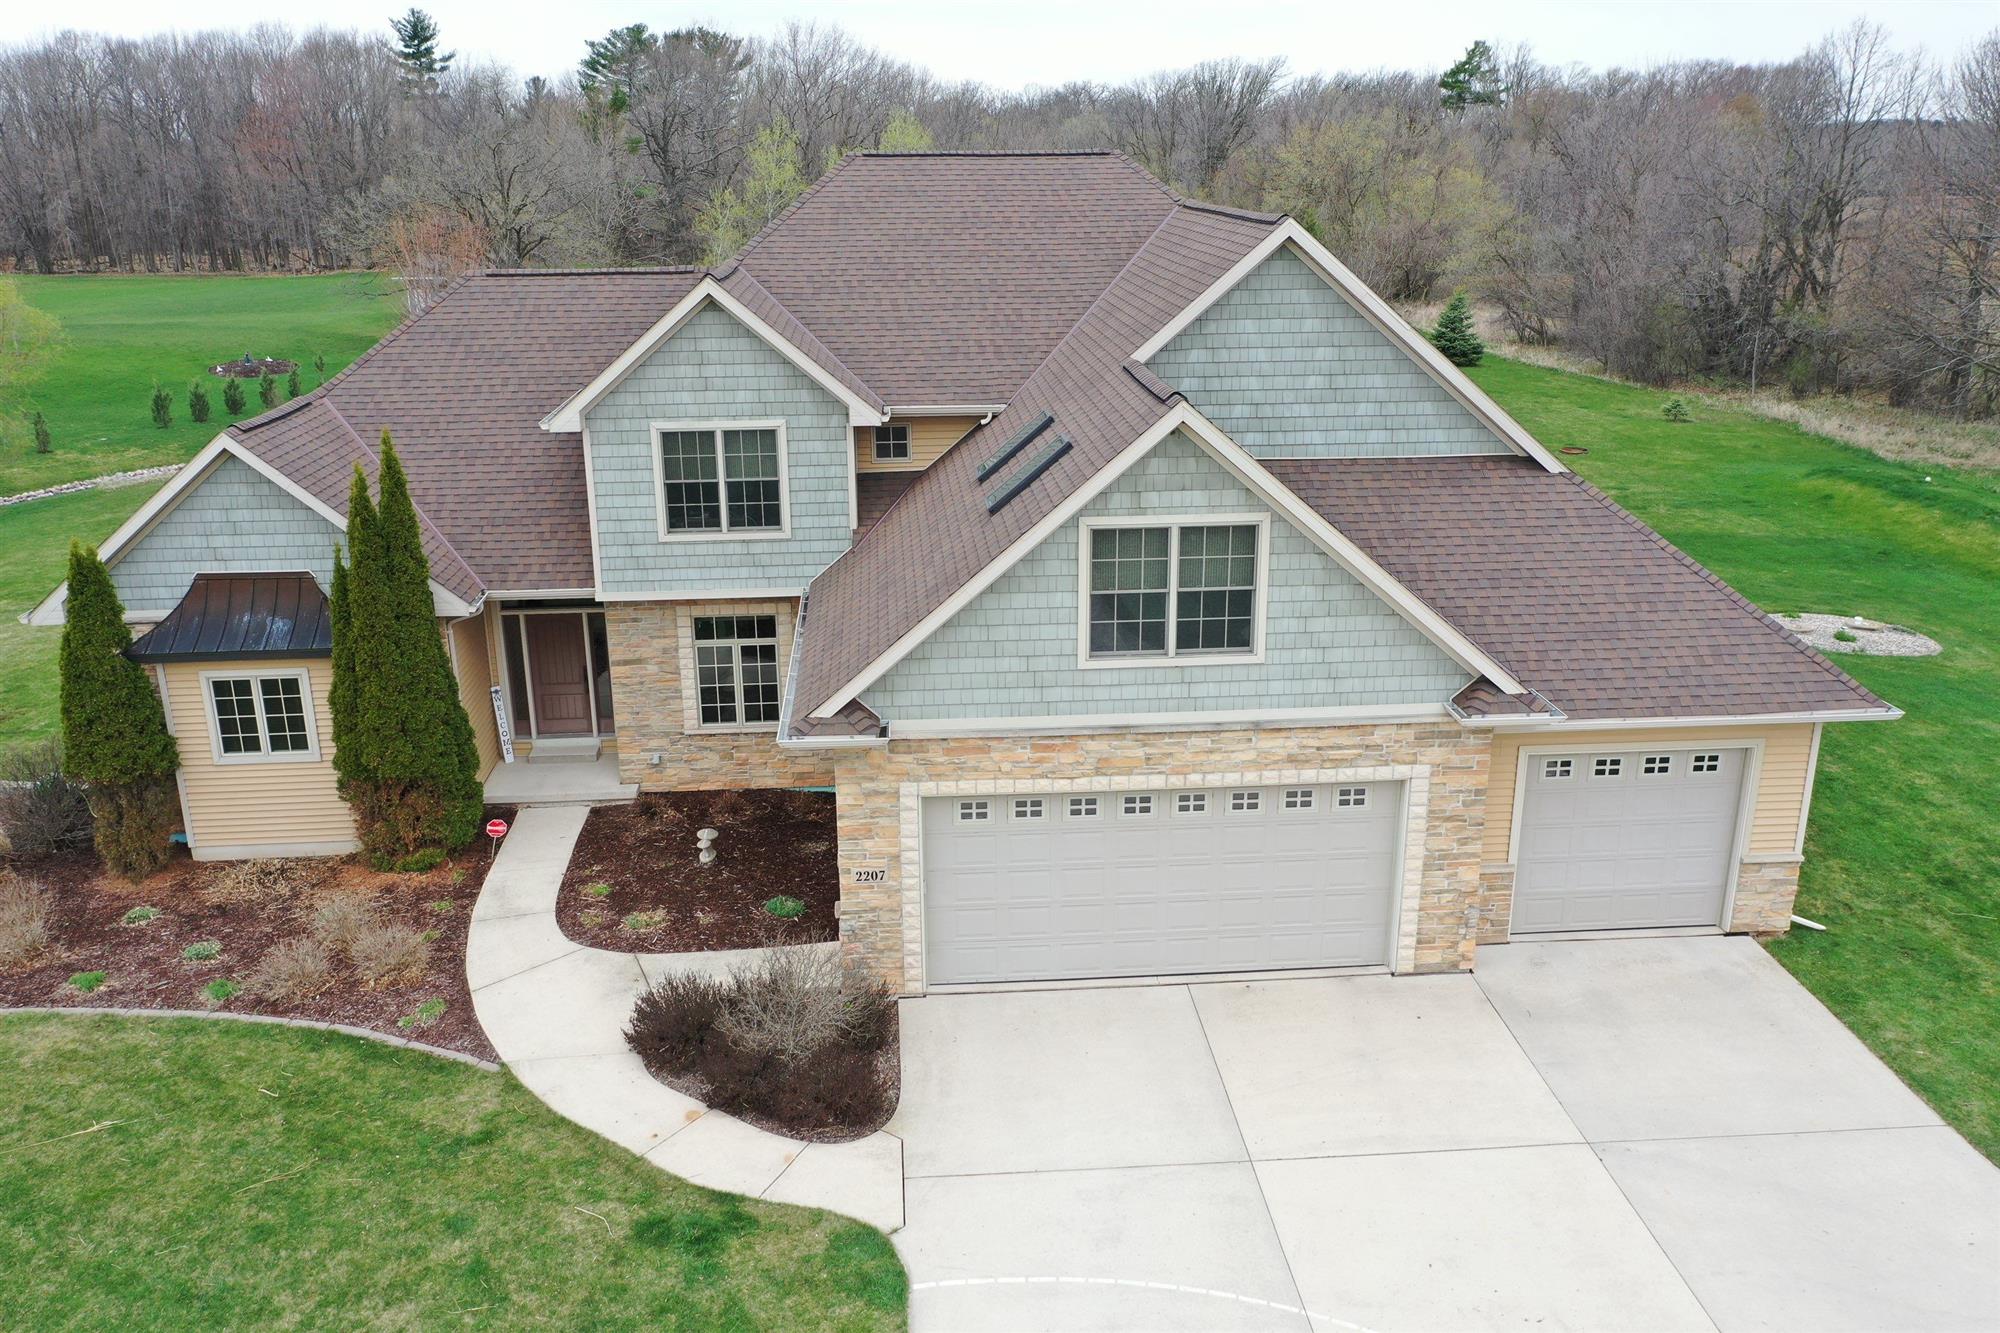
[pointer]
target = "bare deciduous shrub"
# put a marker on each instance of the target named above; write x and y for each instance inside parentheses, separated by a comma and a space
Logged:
(41, 810)
(337, 921)
(785, 1001)
(871, 1016)
(24, 919)
(729, 807)
(251, 881)
(295, 970)
(386, 955)
(673, 1020)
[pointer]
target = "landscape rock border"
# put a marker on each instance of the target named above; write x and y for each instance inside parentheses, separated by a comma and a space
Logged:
(1871, 638)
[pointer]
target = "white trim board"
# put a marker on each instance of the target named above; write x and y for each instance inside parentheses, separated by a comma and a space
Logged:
(1202, 720)
(1371, 308)
(1252, 474)
(569, 416)
(49, 611)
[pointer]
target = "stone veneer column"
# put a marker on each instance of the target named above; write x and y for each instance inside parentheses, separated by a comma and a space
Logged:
(1445, 767)
(652, 718)
(1766, 888)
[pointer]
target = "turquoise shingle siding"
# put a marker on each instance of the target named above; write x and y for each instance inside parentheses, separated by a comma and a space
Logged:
(715, 369)
(1329, 642)
(235, 520)
(1290, 370)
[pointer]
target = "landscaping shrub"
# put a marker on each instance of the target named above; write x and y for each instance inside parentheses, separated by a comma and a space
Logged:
(294, 970)
(785, 908)
(232, 397)
(202, 951)
(253, 881)
(425, 1014)
(337, 921)
(674, 1019)
(1675, 410)
(787, 1001)
(24, 919)
(114, 734)
(871, 1016)
(388, 955)
(221, 991)
(86, 982)
(267, 392)
(198, 409)
(41, 809)
(43, 441)
(1455, 336)
(730, 806)
(140, 916)
(163, 407)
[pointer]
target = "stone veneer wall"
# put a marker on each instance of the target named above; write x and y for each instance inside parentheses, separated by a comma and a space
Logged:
(1766, 887)
(646, 674)
(1444, 765)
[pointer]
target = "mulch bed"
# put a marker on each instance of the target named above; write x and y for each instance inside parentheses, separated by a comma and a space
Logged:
(772, 844)
(145, 969)
(888, 1071)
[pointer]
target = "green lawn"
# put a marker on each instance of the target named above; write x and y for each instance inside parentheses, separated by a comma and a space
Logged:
(1903, 849)
(34, 553)
(261, 1177)
(121, 335)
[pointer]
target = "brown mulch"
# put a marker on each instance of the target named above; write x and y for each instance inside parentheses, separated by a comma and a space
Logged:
(772, 844)
(888, 1071)
(146, 970)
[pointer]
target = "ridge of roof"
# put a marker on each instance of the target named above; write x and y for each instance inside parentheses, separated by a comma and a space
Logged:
(1770, 622)
(646, 270)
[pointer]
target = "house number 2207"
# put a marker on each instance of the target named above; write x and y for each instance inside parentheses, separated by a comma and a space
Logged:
(872, 875)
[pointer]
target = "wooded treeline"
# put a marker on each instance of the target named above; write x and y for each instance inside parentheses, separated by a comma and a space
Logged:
(1832, 222)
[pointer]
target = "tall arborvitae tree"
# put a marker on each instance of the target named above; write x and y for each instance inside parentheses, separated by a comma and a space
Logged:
(1455, 335)
(404, 750)
(417, 49)
(115, 738)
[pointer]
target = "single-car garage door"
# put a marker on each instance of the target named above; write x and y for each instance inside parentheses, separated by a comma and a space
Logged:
(1105, 884)
(1626, 839)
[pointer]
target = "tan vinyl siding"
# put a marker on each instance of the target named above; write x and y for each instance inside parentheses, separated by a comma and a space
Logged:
(1781, 777)
(468, 641)
(929, 438)
(273, 804)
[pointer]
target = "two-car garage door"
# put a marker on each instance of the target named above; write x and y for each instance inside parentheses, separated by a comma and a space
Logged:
(1055, 885)
(1626, 839)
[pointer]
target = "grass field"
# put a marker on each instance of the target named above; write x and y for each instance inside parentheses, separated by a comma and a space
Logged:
(121, 335)
(260, 1177)
(1903, 849)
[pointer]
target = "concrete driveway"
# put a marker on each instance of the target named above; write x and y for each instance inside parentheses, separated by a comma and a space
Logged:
(1620, 1135)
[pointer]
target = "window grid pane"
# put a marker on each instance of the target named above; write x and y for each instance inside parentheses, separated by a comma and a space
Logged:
(736, 670)
(1129, 572)
(892, 443)
(236, 716)
(284, 715)
(750, 469)
(1218, 590)
(687, 470)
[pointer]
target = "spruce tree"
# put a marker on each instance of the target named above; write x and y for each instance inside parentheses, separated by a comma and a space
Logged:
(292, 385)
(1454, 334)
(267, 392)
(404, 749)
(417, 49)
(163, 407)
(197, 401)
(232, 396)
(114, 731)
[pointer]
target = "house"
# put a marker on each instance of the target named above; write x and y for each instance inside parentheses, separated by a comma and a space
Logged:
(1152, 597)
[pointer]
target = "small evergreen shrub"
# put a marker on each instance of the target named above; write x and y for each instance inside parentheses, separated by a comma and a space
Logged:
(43, 441)
(202, 951)
(163, 406)
(785, 908)
(232, 397)
(24, 919)
(198, 409)
(221, 991)
(294, 970)
(388, 955)
(319, 366)
(267, 392)
(1454, 334)
(292, 385)
(41, 809)
(1675, 410)
(140, 916)
(86, 982)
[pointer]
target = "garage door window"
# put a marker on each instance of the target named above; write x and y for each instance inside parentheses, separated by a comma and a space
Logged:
(975, 812)
(1706, 763)
(1191, 803)
(1245, 802)
(1083, 807)
(1657, 765)
(1137, 806)
(1351, 798)
(1607, 768)
(1029, 807)
(1558, 768)
(1298, 798)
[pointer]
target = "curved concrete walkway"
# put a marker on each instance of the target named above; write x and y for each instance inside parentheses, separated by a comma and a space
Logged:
(556, 1012)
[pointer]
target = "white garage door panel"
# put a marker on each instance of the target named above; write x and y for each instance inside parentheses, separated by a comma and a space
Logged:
(1606, 845)
(1011, 898)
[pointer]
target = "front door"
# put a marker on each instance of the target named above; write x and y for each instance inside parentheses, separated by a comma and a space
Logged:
(560, 669)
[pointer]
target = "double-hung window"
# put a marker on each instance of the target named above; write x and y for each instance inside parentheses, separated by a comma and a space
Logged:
(258, 717)
(722, 479)
(736, 670)
(1184, 590)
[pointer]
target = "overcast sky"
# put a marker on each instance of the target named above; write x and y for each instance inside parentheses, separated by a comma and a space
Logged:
(1011, 43)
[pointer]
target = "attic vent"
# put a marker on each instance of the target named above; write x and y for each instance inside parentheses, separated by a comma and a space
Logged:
(1014, 446)
(1059, 446)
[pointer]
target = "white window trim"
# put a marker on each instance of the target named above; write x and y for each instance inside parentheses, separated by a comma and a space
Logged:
(1172, 658)
(725, 533)
(309, 755)
(691, 685)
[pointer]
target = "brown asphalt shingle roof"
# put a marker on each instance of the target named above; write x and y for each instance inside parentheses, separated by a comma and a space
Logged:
(1581, 601)
(463, 390)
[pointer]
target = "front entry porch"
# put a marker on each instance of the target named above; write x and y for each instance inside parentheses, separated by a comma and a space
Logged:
(555, 676)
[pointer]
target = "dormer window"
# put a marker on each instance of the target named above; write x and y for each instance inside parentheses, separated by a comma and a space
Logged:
(892, 443)
(719, 478)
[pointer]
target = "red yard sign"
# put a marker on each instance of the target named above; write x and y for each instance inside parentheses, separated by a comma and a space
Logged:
(496, 828)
